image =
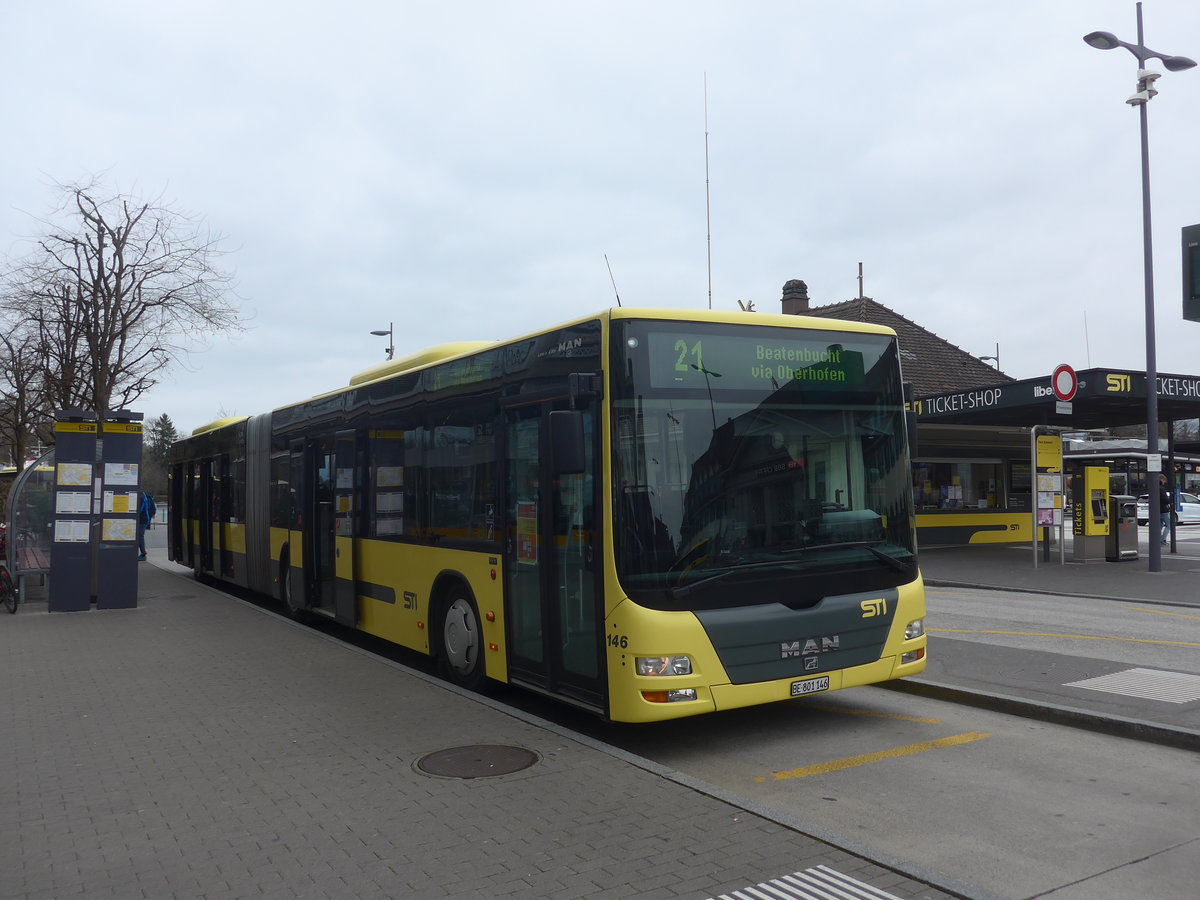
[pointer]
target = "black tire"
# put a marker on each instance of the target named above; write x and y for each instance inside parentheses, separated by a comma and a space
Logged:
(8, 591)
(460, 642)
(293, 609)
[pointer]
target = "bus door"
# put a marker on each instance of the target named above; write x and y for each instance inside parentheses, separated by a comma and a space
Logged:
(299, 547)
(223, 490)
(346, 497)
(553, 615)
(206, 501)
(177, 549)
(313, 469)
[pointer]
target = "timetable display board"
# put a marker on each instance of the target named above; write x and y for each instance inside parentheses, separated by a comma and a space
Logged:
(118, 492)
(75, 435)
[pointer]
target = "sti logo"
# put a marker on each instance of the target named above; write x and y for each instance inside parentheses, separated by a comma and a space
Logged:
(795, 649)
(873, 608)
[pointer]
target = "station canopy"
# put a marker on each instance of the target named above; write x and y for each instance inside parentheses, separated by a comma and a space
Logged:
(1104, 398)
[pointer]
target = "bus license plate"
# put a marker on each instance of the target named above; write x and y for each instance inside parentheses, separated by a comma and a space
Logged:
(810, 686)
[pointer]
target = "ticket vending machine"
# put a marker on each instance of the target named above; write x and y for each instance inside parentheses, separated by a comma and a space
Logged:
(1091, 503)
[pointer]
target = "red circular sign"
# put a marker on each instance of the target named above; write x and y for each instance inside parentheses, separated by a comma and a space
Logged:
(1064, 382)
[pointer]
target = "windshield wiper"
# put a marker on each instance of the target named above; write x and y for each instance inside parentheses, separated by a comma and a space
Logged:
(884, 558)
(678, 592)
(869, 546)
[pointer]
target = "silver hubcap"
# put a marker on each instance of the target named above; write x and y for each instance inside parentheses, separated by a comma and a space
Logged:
(461, 637)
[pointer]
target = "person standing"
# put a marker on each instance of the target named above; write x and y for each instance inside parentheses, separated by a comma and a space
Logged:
(1166, 506)
(146, 511)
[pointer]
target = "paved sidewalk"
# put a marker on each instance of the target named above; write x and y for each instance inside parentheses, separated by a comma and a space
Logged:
(199, 747)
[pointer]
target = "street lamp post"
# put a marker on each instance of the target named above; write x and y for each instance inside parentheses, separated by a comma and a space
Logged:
(1103, 40)
(995, 359)
(391, 347)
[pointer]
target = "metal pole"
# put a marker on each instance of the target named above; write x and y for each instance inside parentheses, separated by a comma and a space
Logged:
(1062, 517)
(1033, 489)
(1172, 481)
(1155, 512)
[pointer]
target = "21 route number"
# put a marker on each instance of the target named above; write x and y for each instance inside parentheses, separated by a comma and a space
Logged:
(681, 364)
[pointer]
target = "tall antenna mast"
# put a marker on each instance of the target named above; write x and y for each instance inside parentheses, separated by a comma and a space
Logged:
(707, 195)
(860, 282)
(613, 280)
(1086, 340)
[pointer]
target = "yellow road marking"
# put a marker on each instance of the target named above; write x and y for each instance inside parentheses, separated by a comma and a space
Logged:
(1159, 612)
(851, 762)
(871, 712)
(1077, 637)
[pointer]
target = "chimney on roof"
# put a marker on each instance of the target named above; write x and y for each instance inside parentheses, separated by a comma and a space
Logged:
(795, 298)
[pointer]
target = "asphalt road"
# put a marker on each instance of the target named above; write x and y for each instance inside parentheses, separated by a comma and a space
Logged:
(1013, 807)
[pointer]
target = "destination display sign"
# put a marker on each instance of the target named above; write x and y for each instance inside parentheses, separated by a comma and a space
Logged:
(777, 359)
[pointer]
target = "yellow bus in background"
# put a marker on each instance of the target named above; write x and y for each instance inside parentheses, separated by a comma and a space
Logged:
(648, 513)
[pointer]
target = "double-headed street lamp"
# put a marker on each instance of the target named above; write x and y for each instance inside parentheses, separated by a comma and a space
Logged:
(391, 347)
(1103, 40)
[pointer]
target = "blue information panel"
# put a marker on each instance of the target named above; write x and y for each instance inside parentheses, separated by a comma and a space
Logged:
(119, 489)
(70, 588)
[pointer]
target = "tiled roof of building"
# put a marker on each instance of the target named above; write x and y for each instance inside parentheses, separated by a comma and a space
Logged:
(932, 364)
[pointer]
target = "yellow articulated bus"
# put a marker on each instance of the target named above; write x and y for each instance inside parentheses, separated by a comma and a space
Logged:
(648, 513)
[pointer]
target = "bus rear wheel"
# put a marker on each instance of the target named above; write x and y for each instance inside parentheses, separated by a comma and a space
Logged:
(290, 606)
(460, 655)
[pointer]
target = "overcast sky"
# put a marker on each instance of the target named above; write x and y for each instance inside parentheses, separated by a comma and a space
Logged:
(462, 168)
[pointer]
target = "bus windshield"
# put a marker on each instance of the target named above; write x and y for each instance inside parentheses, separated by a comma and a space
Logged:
(757, 465)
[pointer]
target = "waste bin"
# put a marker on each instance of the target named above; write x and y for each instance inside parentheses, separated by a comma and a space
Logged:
(1122, 540)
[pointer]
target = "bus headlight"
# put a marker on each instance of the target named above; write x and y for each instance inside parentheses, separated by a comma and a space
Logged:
(679, 696)
(914, 629)
(664, 665)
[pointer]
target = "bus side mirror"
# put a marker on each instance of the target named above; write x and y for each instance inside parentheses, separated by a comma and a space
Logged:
(910, 419)
(910, 425)
(566, 442)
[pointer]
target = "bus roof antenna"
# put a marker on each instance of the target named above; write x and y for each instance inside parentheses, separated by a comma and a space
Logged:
(613, 280)
(707, 192)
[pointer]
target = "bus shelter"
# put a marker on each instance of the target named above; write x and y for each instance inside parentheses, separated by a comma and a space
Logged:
(31, 522)
(973, 478)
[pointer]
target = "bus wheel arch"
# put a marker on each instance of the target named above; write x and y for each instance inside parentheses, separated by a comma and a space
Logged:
(458, 642)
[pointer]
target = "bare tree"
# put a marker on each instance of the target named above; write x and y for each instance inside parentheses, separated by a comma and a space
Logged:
(22, 395)
(116, 290)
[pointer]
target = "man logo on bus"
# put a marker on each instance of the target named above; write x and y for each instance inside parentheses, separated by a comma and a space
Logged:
(793, 649)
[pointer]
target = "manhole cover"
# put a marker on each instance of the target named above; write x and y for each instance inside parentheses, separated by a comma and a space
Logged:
(476, 761)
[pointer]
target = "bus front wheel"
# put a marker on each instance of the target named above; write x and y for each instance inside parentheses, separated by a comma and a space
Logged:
(460, 656)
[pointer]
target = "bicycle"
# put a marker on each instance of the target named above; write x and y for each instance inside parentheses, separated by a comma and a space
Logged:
(8, 591)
